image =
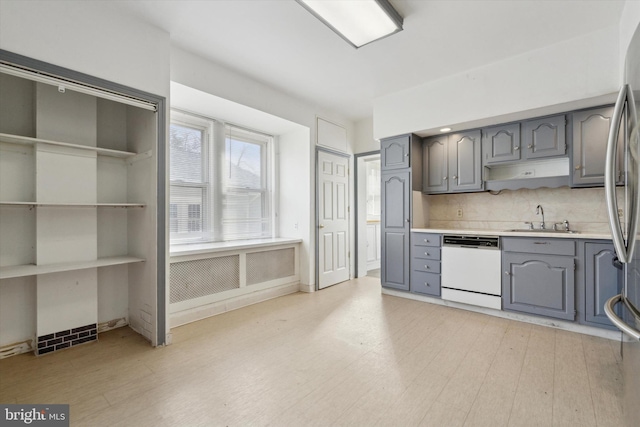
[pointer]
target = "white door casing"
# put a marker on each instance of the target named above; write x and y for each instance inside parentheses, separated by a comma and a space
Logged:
(333, 219)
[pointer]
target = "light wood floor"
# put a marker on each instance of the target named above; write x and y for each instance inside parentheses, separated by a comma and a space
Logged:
(346, 355)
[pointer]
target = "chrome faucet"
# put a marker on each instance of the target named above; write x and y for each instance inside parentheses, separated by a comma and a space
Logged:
(540, 211)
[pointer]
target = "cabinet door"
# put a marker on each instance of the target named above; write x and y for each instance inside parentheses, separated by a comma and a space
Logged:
(602, 281)
(465, 172)
(395, 152)
(544, 137)
(396, 226)
(436, 166)
(539, 284)
(501, 144)
(590, 135)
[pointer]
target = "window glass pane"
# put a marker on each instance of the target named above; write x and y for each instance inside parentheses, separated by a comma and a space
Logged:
(186, 212)
(244, 164)
(186, 149)
(243, 213)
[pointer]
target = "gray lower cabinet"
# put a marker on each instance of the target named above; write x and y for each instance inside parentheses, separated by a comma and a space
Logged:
(601, 281)
(537, 283)
(395, 228)
(425, 263)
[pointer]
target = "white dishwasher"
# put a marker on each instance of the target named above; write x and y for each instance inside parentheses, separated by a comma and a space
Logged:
(471, 271)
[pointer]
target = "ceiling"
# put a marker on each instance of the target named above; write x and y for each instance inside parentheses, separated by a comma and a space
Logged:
(279, 43)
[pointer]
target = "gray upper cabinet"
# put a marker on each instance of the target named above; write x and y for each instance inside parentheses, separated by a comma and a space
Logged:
(544, 137)
(395, 228)
(436, 165)
(538, 283)
(452, 163)
(501, 144)
(601, 281)
(465, 169)
(590, 135)
(395, 153)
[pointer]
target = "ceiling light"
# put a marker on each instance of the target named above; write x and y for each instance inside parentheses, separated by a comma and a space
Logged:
(359, 22)
(445, 129)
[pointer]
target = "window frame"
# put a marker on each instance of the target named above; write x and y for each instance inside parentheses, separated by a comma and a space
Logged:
(215, 190)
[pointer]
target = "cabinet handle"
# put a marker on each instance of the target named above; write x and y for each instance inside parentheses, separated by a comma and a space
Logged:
(427, 254)
(455, 176)
(507, 273)
(426, 284)
(516, 148)
(426, 240)
(406, 155)
(578, 167)
(408, 220)
(444, 178)
(427, 267)
(540, 243)
(530, 146)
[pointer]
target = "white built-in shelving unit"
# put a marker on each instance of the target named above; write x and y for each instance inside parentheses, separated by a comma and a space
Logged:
(77, 212)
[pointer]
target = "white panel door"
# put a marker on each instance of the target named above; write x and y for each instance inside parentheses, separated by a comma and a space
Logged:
(333, 219)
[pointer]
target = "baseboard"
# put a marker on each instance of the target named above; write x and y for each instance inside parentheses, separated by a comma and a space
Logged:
(207, 310)
(112, 324)
(16, 348)
(541, 321)
(307, 288)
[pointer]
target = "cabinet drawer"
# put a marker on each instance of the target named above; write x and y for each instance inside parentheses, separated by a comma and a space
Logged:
(426, 265)
(425, 283)
(426, 252)
(425, 239)
(546, 246)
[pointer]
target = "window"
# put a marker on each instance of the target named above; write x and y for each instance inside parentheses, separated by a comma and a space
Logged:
(220, 181)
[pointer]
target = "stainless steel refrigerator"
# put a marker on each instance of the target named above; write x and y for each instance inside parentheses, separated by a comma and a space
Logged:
(624, 309)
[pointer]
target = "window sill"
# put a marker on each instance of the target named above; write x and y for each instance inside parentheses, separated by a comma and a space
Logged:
(213, 247)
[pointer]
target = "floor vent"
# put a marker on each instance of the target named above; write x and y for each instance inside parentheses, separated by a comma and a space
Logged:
(202, 277)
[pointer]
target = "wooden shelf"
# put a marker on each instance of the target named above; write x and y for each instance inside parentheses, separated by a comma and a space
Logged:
(16, 139)
(75, 205)
(32, 269)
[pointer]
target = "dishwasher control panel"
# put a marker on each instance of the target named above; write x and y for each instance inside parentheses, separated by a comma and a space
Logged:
(486, 242)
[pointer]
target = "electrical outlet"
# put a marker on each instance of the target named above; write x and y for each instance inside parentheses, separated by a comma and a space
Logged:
(459, 213)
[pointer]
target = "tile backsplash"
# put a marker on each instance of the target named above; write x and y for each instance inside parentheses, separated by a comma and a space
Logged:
(584, 208)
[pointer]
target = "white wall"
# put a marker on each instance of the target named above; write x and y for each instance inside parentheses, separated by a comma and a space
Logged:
(294, 192)
(364, 140)
(629, 22)
(575, 69)
(193, 71)
(88, 37)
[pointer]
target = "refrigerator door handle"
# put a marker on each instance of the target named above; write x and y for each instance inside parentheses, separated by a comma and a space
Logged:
(617, 321)
(632, 143)
(610, 178)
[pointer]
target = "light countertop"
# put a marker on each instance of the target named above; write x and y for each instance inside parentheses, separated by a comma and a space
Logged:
(523, 233)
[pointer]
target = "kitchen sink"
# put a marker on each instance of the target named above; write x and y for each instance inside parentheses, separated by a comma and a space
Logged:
(537, 230)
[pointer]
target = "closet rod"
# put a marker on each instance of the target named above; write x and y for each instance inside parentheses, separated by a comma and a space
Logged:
(66, 84)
